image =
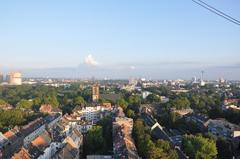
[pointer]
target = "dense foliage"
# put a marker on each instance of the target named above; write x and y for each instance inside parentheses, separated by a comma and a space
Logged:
(147, 148)
(25, 104)
(94, 141)
(153, 98)
(198, 147)
(99, 139)
(14, 117)
(180, 103)
(2, 102)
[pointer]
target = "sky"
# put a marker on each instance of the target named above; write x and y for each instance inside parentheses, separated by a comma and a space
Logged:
(157, 39)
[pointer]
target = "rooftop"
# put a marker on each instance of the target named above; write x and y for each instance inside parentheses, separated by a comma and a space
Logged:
(68, 152)
(42, 141)
(32, 126)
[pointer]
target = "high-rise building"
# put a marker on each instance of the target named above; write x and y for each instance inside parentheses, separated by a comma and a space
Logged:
(95, 93)
(14, 78)
(194, 79)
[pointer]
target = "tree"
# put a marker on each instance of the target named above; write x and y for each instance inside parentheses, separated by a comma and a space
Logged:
(37, 103)
(181, 103)
(106, 124)
(122, 103)
(79, 101)
(25, 104)
(165, 146)
(147, 148)
(152, 98)
(11, 118)
(2, 102)
(134, 100)
(51, 98)
(130, 113)
(198, 147)
(94, 141)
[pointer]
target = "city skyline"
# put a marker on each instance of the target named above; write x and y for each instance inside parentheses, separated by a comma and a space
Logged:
(158, 40)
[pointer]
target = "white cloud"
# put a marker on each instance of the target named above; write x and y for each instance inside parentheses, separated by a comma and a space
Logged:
(89, 60)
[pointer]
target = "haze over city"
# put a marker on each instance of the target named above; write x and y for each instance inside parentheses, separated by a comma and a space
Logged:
(119, 79)
(119, 39)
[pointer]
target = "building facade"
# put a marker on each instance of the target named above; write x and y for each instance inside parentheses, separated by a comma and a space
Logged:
(95, 93)
(14, 78)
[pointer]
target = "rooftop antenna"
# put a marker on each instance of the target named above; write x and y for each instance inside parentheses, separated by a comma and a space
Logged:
(202, 72)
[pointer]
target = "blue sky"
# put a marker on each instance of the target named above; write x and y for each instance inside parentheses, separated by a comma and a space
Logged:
(155, 38)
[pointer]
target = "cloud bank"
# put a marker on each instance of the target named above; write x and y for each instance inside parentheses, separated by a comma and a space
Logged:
(89, 60)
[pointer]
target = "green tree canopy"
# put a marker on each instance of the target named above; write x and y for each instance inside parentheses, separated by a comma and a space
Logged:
(134, 100)
(180, 103)
(94, 140)
(79, 101)
(25, 104)
(198, 147)
(147, 148)
(153, 98)
(11, 118)
(130, 113)
(122, 103)
(2, 102)
(51, 98)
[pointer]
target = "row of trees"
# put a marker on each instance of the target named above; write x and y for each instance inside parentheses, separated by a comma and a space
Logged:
(149, 149)
(13, 117)
(99, 139)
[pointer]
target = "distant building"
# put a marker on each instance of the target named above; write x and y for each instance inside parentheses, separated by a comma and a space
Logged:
(14, 78)
(145, 94)
(231, 101)
(223, 128)
(182, 112)
(6, 106)
(232, 107)
(95, 93)
(48, 108)
(194, 80)
(132, 81)
(221, 80)
(164, 99)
